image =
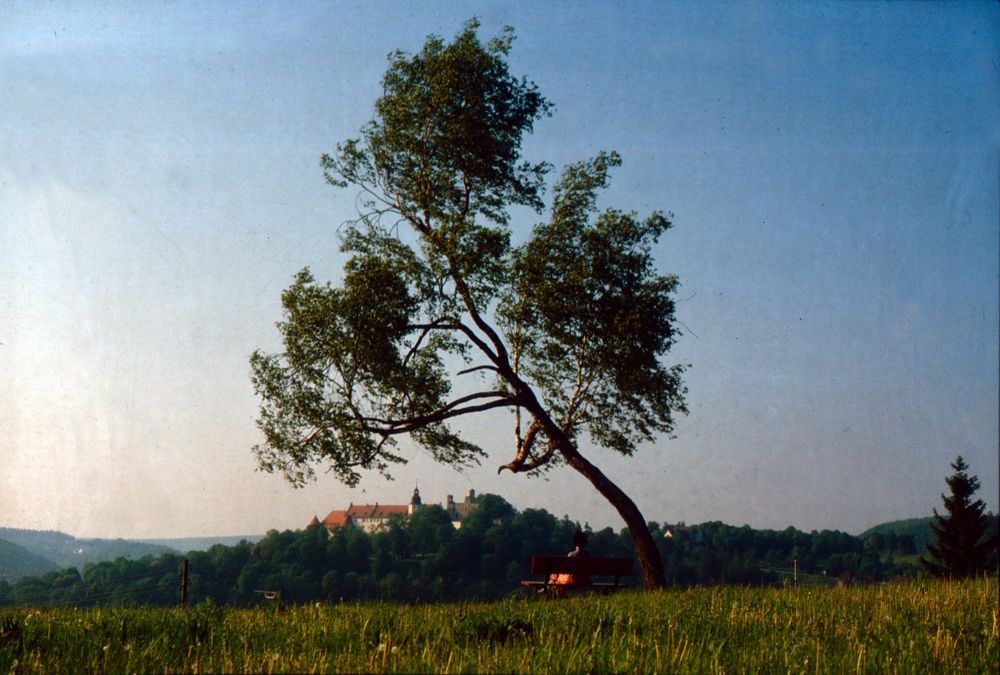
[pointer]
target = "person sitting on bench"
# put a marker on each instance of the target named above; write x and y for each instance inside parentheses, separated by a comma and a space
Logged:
(579, 551)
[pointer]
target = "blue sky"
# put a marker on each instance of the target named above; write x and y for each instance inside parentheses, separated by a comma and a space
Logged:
(832, 168)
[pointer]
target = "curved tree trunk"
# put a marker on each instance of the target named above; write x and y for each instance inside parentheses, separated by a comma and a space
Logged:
(650, 562)
(649, 556)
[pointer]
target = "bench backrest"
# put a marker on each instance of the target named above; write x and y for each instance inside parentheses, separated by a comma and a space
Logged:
(551, 564)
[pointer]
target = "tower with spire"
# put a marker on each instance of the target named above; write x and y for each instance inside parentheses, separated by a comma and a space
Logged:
(415, 502)
(371, 517)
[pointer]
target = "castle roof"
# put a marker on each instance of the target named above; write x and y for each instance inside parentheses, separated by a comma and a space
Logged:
(376, 510)
(335, 519)
(314, 521)
(371, 516)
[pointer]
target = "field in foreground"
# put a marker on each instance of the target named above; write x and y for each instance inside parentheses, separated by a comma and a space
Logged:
(921, 628)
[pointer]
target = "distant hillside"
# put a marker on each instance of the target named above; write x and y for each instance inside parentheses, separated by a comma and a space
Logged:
(63, 550)
(17, 561)
(918, 528)
(185, 544)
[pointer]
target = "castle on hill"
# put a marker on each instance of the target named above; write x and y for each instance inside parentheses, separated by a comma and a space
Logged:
(370, 517)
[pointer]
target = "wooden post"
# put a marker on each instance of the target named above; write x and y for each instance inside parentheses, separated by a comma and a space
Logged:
(184, 583)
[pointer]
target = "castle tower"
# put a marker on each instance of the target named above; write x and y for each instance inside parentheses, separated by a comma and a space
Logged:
(415, 502)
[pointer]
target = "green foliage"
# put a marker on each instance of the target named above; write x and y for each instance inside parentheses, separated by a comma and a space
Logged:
(62, 550)
(906, 537)
(582, 314)
(937, 627)
(446, 135)
(588, 317)
(963, 547)
(17, 561)
(716, 553)
(568, 330)
(364, 362)
(425, 559)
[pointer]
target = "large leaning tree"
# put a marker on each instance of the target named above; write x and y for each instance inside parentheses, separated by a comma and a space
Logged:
(439, 315)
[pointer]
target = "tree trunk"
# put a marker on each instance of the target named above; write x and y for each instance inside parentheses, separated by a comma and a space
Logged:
(649, 556)
(650, 562)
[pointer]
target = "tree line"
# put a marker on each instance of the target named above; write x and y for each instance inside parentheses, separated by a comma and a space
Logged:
(423, 558)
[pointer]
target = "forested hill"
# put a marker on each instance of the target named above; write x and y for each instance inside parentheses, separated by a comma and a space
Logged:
(919, 529)
(424, 559)
(185, 544)
(63, 550)
(17, 561)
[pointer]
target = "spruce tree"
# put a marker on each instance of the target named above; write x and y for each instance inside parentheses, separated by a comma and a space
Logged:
(960, 547)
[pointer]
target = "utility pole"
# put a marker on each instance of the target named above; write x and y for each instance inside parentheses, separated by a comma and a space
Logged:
(184, 583)
(795, 562)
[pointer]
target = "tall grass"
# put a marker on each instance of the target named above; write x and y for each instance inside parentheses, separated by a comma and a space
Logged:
(914, 628)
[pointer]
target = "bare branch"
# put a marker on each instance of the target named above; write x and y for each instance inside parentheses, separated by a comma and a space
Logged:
(383, 426)
(534, 463)
(523, 453)
(578, 388)
(396, 427)
(451, 323)
(542, 460)
(500, 357)
(518, 441)
(476, 368)
(425, 330)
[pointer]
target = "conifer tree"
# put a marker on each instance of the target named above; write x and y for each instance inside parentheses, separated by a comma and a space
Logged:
(961, 547)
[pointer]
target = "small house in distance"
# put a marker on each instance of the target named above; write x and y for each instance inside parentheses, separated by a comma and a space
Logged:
(370, 517)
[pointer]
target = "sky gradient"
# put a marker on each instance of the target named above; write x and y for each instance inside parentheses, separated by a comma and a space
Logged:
(833, 169)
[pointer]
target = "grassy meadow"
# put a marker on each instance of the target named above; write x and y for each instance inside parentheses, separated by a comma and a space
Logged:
(907, 628)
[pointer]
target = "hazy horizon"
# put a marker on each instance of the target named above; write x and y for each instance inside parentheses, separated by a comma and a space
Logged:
(617, 528)
(832, 168)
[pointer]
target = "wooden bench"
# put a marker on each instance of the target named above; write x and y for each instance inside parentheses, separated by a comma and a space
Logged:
(547, 565)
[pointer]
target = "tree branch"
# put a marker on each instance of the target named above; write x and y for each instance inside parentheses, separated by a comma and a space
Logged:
(475, 368)
(451, 323)
(523, 454)
(578, 389)
(387, 427)
(500, 358)
(425, 329)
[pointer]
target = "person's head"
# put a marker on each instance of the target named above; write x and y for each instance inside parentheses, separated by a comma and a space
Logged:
(580, 539)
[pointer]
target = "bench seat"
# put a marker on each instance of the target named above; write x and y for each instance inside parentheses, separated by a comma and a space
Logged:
(583, 566)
